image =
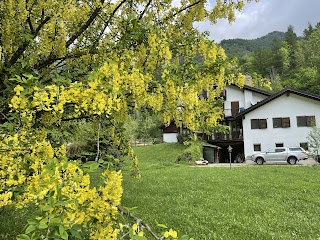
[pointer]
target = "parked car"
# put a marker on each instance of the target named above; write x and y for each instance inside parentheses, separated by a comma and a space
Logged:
(290, 155)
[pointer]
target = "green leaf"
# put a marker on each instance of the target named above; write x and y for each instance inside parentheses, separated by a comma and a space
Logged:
(76, 227)
(23, 237)
(34, 236)
(161, 225)
(43, 224)
(91, 165)
(10, 143)
(33, 222)
(47, 208)
(30, 229)
(61, 229)
(61, 203)
(64, 235)
(75, 234)
(54, 221)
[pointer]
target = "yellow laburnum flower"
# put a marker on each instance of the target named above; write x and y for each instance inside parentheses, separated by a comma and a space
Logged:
(135, 227)
(18, 89)
(166, 234)
(173, 233)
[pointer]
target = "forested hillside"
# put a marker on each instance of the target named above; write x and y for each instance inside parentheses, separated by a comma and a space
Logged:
(239, 47)
(286, 60)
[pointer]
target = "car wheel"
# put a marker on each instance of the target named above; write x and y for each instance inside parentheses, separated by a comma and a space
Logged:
(259, 160)
(292, 160)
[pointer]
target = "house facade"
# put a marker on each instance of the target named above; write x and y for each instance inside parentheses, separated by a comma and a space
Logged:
(236, 100)
(259, 120)
(281, 120)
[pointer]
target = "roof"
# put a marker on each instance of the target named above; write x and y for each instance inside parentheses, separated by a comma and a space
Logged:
(252, 89)
(274, 96)
(257, 90)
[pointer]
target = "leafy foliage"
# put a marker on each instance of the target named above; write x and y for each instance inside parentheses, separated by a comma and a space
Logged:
(63, 61)
(192, 153)
(314, 141)
(287, 61)
(240, 47)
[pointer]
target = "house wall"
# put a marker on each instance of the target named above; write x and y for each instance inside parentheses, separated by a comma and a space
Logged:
(284, 106)
(246, 98)
(170, 137)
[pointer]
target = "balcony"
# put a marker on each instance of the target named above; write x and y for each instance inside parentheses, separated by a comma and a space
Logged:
(232, 112)
(231, 136)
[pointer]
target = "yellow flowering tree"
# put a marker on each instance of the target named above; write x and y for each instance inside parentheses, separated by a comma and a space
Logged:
(67, 60)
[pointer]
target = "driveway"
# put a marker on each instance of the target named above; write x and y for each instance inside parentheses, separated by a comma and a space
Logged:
(307, 162)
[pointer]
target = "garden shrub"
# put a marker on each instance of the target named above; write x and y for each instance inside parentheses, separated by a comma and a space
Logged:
(191, 154)
(157, 141)
(184, 137)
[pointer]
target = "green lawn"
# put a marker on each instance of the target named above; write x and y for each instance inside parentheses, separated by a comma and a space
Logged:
(251, 202)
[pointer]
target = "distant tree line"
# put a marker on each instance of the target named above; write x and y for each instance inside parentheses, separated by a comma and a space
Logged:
(285, 60)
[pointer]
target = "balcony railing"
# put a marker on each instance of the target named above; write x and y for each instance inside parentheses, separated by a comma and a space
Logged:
(234, 135)
(232, 112)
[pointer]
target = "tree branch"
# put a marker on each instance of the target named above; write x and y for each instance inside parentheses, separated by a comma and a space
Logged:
(108, 22)
(144, 10)
(30, 24)
(85, 26)
(24, 46)
(183, 9)
(139, 221)
(48, 61)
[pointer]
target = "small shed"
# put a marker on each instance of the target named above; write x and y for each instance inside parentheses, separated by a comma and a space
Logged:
(170, 133)
(211, 153)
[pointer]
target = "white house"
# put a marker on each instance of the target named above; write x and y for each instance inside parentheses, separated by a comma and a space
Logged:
(236, 100)
(258, 120)
(281, 120)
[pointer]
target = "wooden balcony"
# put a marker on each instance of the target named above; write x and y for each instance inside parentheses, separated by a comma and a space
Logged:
(234, 135)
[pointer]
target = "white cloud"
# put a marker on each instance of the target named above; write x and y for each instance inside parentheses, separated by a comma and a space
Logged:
(258, 19)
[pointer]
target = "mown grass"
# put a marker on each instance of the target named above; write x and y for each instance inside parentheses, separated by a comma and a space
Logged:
(252, 202)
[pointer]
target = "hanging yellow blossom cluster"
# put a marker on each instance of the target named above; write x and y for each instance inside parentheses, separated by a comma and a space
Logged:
(32, 171)
(59, 188)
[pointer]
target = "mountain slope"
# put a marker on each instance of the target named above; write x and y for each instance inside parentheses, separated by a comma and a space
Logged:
(239, 47)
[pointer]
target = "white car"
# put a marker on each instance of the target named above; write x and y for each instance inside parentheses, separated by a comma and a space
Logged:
(290, 155)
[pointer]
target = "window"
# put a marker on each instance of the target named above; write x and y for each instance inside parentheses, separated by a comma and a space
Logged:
(258, 123)
(279, 144)
(295, 149)
(281, 122)
(306, 121)
(304, 145)
(257, 147)
(280, 149)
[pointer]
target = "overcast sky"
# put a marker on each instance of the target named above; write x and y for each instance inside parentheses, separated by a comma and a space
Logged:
(258, 19)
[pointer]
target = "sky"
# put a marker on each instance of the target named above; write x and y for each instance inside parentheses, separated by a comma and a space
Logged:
(259, 19)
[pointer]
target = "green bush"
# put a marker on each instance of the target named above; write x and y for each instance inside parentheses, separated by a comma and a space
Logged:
(184, 137)
(157, 141)
(191, 154)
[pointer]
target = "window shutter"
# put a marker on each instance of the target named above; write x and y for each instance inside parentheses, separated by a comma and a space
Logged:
(310, 121)
(263, 123)
(286, 122)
